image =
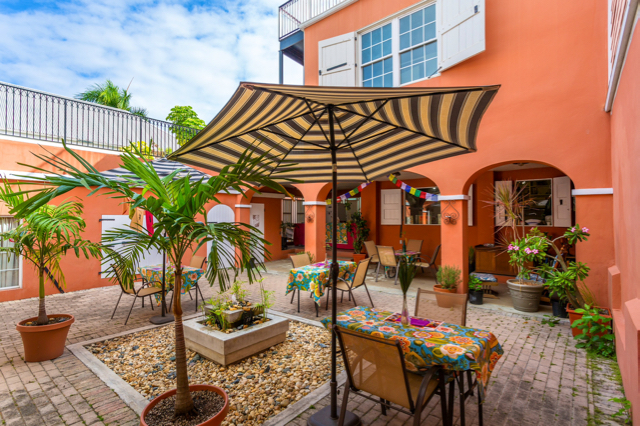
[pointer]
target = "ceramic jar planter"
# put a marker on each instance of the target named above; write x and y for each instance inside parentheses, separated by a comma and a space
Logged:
(525, 297)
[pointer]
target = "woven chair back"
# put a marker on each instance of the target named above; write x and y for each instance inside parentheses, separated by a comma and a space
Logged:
(414, 245)
(361, 273)
(387, 255)
(197, 262)
(376, 366)
(448, 307)
(370, 246)
(300, 260)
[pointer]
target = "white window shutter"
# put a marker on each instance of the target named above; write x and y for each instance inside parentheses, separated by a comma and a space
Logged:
(391, 207)
(337, 61)
(461, 31)
(562, 201)
(500, 213)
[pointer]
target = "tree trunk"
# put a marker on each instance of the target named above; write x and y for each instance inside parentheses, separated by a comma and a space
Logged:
(184, 402)
(43, 319)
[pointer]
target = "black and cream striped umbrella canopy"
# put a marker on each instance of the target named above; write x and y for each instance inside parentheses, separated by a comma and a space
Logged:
(376, 130)
(163, 167)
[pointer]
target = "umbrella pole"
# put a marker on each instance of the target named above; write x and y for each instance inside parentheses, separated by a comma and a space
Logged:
(329, 415)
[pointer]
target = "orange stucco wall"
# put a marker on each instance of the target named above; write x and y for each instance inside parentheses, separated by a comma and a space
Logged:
(550, 59)
(624, 287)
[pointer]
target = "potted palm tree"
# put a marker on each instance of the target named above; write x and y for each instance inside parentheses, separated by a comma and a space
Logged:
(42, 238)
(177, 205)
(360, 232)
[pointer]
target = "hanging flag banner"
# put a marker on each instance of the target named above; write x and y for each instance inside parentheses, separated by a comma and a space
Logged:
(413, 191)
(342, 198)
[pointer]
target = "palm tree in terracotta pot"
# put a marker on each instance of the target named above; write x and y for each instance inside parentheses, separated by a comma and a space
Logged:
(177, 206)
(360, 231)
(42, 238)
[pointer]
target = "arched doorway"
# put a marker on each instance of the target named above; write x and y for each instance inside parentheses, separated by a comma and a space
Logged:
(218, 214)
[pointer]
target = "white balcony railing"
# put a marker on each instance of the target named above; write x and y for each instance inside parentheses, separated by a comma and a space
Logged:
(294, 13)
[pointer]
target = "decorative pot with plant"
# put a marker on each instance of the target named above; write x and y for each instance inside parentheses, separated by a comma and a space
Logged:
(178, 205)
(360, 231)
(406, 274)
(42, 237)
(475, 290)
(525, 292)
(448, 278)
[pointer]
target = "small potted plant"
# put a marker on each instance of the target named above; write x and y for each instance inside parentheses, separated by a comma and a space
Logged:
(406, 273)
(360, 232)
(42, 238)
(448, 278)
(475, 290)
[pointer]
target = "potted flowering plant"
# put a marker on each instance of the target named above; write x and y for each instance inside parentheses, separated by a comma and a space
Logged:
(360, 232)
(525, 292)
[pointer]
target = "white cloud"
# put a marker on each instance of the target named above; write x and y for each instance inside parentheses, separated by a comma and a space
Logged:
(177, 53)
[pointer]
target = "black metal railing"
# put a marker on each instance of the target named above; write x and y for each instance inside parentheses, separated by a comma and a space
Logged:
(38, 115)
(294, 13)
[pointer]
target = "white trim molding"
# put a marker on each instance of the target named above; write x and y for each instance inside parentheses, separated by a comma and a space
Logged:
(314, 203)
(243, 206)
(59, 144)
(326, 14)
(592, 191)
(453, 197)
(18, 175)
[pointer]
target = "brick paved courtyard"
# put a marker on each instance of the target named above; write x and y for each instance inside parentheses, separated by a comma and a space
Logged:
(542, 379)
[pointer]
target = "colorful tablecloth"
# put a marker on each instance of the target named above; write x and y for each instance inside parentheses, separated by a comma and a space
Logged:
(454, 347)
(343, 235)
(315, 277)
(153, 274)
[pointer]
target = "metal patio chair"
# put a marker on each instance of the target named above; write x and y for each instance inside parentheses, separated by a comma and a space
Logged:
(421, 262)
(387, 256)
(358, 279)
(145, 290)
(300, 260)
(414, 245)
(370, 246)
(375, 367)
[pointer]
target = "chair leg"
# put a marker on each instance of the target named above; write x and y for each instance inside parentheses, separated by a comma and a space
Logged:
(447, 417)
(462, 399)
(328, 293)
(354, 298)
(341, 297)
(143, 302)
(196, 309)
(383, 407)
(314, 302)
(397, 269)
(480, 410)
(190, 295)
(452, 389)
(298, 301)
(134, 302)
(365, 287)
(345, 400)
(200, 291)
(150, 302)
(377, 271)
(117, 303)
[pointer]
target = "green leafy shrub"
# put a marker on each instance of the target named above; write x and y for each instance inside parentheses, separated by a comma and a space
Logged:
(475, 283)
(596, 334)
(448, 277)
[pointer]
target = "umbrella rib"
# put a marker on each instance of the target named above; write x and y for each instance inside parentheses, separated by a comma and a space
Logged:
(318, 121)
(298, 139)
(365, 120)
(351, 148)
(408, 130)
(296, 144)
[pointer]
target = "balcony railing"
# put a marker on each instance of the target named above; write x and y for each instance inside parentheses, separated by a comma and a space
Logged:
(38, 115)
(294, 13)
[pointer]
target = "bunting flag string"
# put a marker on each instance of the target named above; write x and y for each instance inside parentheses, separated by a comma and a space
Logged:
(413, 191)
(342, 198)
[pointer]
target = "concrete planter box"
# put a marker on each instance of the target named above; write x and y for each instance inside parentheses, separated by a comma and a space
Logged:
(226, 348)
(233, 317)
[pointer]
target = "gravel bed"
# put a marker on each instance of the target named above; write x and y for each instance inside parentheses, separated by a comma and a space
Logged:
(259, 387)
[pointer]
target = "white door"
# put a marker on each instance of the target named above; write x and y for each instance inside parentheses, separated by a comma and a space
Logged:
(122, 221)
(218, 214)
(337, 61)
(461, 31)
(561, 194)
(257, 221)
(391, 206)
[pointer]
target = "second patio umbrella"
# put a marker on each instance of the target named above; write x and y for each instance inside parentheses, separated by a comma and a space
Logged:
(358, 133)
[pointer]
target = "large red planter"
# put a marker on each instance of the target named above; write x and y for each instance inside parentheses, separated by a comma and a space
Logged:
(573, 316)
(44, 342)
(213, 421)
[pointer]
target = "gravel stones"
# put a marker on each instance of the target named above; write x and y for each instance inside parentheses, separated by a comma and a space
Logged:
(259, 387)
(206, 403)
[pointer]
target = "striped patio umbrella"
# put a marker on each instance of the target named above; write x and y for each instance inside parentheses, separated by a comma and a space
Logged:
(164, 168)
(358, 134)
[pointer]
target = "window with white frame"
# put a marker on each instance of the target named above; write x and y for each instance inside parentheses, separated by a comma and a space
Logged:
(9, 264)
(409, 41)
(292, 211)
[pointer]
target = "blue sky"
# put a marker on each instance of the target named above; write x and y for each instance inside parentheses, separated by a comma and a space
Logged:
(177, 52)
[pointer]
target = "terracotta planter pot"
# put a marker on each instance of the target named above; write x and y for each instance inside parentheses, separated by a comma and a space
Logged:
(44, 342)
(213, 421)
(439, 288)
(573, 316)
(525, 297)
(359, 257)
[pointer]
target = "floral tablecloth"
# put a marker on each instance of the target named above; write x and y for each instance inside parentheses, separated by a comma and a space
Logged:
(315, 277)
(454, 347)
(343, 234)
(153, 274)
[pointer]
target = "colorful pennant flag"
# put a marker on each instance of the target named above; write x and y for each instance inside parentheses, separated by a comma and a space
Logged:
(342, 198)
(413, 191)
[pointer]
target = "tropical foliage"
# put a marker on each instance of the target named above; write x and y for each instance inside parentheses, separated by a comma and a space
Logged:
(108, 94)
(360, 233)
(595, 333)
(448, 277)
(178, 206)
(44, 236)
(185, 119)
